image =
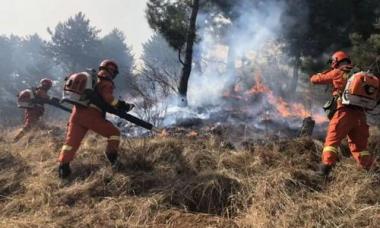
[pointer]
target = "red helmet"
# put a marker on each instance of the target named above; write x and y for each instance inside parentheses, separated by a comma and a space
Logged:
(338, 57)
(110, 66)
(46, 83)
(25, 95)
(24, 99)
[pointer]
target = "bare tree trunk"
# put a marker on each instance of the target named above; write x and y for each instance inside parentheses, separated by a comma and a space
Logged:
(186, 69)
(307, 127)
(296, 68)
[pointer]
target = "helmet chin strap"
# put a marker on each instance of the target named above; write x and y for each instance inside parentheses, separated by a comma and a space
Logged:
(108, 73)
(112, 74)
(43, 88)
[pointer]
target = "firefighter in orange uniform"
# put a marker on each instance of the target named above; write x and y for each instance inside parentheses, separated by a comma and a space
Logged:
(347, 120)
(35, 110)
(92, 118)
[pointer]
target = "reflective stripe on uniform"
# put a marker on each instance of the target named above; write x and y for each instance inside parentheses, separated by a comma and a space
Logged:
(364, 153)
(114, 102)
(67, 148)
(114, 138)
(330, 149)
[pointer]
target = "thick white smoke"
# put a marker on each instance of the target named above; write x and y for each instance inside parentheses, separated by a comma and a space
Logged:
(248, 48)
(256, 28)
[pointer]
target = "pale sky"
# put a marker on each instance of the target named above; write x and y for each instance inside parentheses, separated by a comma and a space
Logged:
(25, 17)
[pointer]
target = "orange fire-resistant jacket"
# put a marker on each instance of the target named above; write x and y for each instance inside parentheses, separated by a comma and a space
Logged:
(347, 121)
(92, 118)
(32, 115)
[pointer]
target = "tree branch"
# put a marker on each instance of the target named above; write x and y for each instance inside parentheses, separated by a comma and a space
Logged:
(179, 57)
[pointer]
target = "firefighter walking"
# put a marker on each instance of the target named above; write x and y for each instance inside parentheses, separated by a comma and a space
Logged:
(92, 117)
(29, 99)
(347, 120)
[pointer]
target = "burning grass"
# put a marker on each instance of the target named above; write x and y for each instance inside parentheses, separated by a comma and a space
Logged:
(272, 101)
(183, 182)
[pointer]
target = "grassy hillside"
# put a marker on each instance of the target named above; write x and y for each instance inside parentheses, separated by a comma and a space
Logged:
(182, 182)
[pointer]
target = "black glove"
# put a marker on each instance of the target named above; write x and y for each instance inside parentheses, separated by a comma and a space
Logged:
(54, 100)
(38, 100)
(122, 105)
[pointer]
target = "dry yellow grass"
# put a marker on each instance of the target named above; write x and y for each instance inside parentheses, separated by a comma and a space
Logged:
(188, 182)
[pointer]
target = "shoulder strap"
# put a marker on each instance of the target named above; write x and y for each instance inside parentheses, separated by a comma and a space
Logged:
(34, 91)
(352, 71)
(346, 75)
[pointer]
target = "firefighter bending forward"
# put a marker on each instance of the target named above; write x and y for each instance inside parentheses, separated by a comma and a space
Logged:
(93, 118)
(347, 121)
(35, 110)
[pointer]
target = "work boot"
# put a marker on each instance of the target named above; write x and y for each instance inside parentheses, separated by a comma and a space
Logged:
(64, 170)
(324, 170)
(113, 159)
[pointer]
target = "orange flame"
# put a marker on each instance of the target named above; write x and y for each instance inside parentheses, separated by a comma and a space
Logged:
(259, 87)
(164, 133)
(284, 108)
(319, 119)
(192, 134)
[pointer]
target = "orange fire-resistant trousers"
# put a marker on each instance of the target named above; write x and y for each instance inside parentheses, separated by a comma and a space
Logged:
(81, 120)
(349, 122)
(31, 117)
